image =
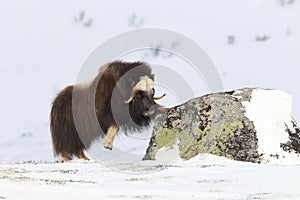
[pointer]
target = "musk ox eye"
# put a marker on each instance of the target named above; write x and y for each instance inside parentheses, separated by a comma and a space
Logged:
(138, 95)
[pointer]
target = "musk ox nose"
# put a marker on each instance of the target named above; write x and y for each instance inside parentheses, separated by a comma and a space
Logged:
(149, 112)
(146, 113)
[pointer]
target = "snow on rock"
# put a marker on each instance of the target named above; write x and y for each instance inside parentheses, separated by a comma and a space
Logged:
(250, 124)
(270, 111)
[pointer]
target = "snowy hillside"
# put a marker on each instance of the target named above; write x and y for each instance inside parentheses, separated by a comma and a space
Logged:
(43, 45)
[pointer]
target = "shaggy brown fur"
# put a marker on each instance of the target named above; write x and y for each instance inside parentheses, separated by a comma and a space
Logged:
(83, 112)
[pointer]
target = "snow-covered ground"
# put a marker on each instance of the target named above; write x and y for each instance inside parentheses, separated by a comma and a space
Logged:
(44, 43)
(207, 177)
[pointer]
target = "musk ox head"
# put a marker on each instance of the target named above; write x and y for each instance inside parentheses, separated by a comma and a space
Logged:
(135, 89)
(141, 102)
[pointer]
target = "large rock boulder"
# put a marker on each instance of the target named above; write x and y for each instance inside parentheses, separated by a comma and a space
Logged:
(250, 124)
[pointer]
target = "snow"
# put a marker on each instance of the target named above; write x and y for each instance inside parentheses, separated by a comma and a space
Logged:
(270, 111)
(168, 155)
(42, 49)
(206, 176)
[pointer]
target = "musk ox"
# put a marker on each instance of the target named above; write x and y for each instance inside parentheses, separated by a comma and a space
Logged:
(120, 96)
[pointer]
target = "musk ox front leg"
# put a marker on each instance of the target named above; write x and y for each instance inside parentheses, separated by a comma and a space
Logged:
(110, 135)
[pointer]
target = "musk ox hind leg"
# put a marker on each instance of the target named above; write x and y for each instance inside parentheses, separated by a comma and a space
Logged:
(65, 139)
(110, 135)
(66, 157)
(81, 155)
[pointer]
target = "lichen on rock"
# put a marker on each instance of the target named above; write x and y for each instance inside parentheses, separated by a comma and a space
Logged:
(214, 123)
(166, 137)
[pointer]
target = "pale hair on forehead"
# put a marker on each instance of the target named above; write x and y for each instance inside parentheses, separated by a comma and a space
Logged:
(145, 84)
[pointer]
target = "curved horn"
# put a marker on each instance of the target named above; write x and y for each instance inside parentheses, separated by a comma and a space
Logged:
(145, 84)
(159, 97)
(134, 91)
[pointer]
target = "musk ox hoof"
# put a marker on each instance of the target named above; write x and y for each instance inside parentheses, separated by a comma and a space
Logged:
(81, 155)
(66, 157)
(108, 147)
(107, 144)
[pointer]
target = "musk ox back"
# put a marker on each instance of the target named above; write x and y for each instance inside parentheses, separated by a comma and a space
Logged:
(120, 96)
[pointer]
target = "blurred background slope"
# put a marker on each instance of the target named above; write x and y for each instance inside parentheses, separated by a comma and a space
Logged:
(254, 43)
